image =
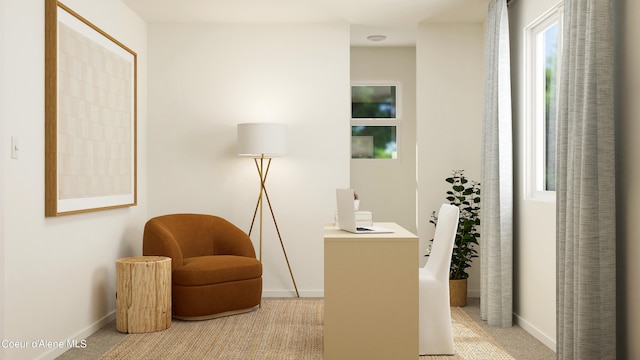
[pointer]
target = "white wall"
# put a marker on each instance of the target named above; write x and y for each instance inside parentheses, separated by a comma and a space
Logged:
(204, 80)
(2, 156)
(388, 187)
(59, 272)
(628, 209)
(450, 68)
(534, 235)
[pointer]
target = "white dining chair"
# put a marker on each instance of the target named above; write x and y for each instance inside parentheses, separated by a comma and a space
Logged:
(435, 332)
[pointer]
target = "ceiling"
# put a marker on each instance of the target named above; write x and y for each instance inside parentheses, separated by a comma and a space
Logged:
(396, 19)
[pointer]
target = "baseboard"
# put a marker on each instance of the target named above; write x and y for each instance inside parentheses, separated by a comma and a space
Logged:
(78, 338)
(320, 293)
(473, 293)
(292, 293)
(535, 332)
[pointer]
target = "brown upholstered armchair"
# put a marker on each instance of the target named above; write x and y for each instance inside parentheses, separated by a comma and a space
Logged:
(214, 267)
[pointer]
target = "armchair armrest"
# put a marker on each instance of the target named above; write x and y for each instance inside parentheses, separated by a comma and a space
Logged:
(231, 240)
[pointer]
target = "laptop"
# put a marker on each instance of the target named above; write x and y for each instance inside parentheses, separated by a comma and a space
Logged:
(347, 215)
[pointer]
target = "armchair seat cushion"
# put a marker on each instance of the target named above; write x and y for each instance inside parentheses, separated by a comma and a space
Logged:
(216, 269)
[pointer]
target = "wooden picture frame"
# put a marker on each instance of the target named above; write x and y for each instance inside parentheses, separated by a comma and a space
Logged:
(90, 116)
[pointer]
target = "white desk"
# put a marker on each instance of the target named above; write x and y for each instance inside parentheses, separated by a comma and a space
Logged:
(370, 294)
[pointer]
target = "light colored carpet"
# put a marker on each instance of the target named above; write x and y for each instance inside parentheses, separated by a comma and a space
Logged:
(470, 341)
(282, 329)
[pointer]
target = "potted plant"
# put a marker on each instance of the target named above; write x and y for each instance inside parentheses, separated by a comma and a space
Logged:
(465, 194)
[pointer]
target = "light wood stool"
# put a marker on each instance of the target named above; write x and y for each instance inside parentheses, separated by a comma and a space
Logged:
(143, 294)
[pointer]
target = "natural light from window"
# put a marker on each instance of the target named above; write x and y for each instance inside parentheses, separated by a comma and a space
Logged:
(543, 73)
(374, 121)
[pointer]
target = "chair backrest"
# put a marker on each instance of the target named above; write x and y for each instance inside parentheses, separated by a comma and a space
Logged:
(192, 235)
(443, 241)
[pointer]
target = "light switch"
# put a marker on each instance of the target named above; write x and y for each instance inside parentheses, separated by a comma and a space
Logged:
(15, 149)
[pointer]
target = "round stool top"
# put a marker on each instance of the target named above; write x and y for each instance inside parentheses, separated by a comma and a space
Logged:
(143, 259)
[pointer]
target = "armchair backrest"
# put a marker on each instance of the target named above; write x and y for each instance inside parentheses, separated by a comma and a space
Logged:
(182, 236)
(443, 241)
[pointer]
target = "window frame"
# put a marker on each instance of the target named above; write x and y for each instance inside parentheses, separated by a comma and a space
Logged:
(394, 122)
(535, 132)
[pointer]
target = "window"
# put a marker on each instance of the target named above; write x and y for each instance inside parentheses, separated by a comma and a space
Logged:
(374, 121)
(373, 142)
(373, 102)
(544, 49)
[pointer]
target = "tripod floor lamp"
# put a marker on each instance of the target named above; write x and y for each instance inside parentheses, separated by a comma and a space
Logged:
(262, 142)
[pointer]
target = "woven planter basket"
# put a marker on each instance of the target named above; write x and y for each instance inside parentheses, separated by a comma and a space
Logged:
(458, 292)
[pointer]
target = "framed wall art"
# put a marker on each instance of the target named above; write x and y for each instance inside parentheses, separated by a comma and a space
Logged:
(90, 116)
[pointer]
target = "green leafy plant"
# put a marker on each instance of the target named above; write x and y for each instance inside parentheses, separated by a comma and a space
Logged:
(465, 194)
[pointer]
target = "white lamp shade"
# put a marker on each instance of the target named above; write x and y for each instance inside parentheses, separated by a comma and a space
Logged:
(257, 139)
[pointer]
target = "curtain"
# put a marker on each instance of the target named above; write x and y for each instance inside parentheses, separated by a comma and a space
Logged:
(585, 188)
(496, 215)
